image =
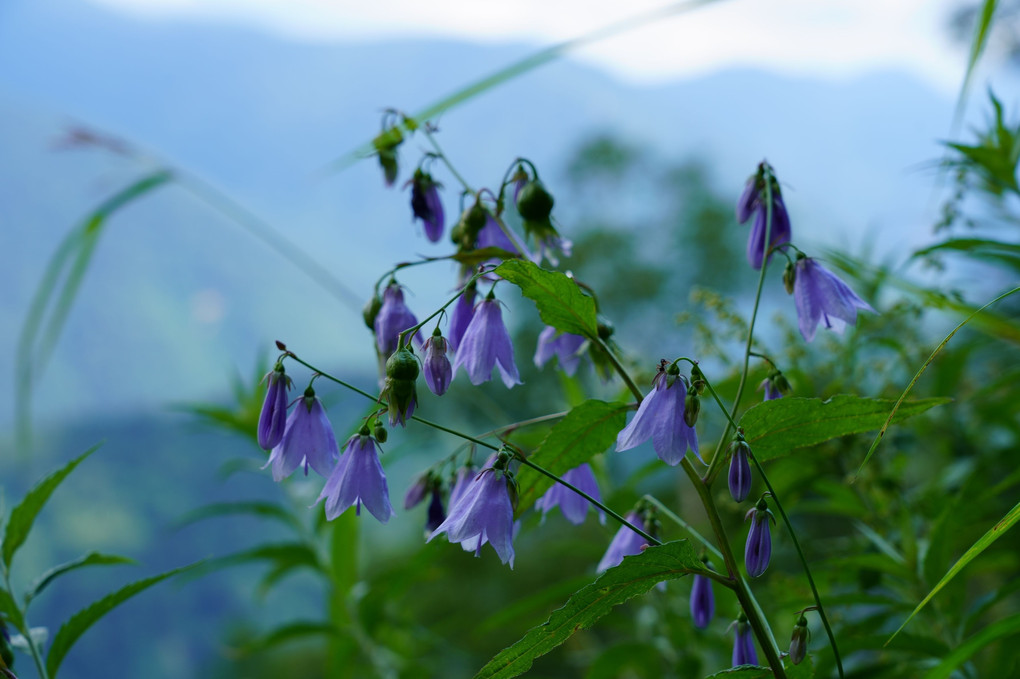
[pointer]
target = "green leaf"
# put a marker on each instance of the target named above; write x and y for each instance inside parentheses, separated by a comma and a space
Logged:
(265, 510)
(9, 609)
(79, 623)
(994, 632)
(776, 428)
(983, 543)
(979, 248)
(977, 46)
(635, 576)
(805, 670)
(283, 555)
(90, 559)
(560, 302)
(23, 516)
(289, 632)
(586, 431)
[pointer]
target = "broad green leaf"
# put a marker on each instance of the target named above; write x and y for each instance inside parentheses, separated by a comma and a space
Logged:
(776, 428)
(983, 543)
(636, 575)
(560, 302)
(9, 609)
(23, 516)
(90, 559)
(79, 623)
(924, 366)
(288, 632)
(997, 630)
(265, 510)
(586, 431)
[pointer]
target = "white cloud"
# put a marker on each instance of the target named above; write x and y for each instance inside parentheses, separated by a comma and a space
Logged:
(830, 38)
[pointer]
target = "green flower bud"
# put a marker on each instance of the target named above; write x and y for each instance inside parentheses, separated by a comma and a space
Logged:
(798, 642)
(402, 365)
(534, 202)
(789, 276)
(692, 406)
(371, 310)
(380, 432)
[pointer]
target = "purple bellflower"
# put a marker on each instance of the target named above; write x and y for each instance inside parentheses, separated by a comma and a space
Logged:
(483, 512)
(436, 512)
(743, 643)
(307, 440)
(436, 366)
(394, 317)
(461, 316)
(771, 390)
(426, 204)
(758, 548)
(702, 601)
(822, 298)
(625, 543)
(416, 492)
(273, 418)
(753, 202)
(486, 344)
(573, 506)
(565, 347)
(660, 417)
(740, 470)
(358, 479)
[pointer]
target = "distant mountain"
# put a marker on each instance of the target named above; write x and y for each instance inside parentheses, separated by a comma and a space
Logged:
(179, 297)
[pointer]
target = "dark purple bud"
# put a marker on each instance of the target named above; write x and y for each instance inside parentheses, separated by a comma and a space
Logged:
(426, 204)
(821, 297)
(436, 513)
(740, 470)
(702, 601)
(799, 641)
(758, 549)
(743, 644)
(436, 366)
(779, 233)
(273, 418)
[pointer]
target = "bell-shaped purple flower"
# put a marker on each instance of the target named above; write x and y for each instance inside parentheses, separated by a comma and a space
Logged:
(743, 643)
(417, 490)
(771, 390)
(822, 298)
(460, 319)
(748, 201)
(483, 512)
(573, 506)
(394, 317)
(660, 417)
(779, 233)
(566, 347)
(740, 470)
(436, 366)
(426, 204)
(307, 440)
(758, 548)
(625, 543)
(358, 479)
(486, 344)
(273, 418)
(436, 512)
(702, 601)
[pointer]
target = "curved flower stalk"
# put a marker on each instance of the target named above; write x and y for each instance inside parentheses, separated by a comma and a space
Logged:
(273, 418)
(307, 440)
(358, 479)
(574, 507)
(485, 345)
(821, 297)
(483, 512)
(660, 417)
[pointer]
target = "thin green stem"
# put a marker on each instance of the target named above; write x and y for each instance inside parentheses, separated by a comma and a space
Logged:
(803, 561)
(620, 370)
(446, 161)
(34, 650)
(669, 514)
(506, 428)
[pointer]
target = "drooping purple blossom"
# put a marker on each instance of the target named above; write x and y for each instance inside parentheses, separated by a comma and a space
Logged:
(660, 417)
(758, 548)
(565, 347)
(485, 345)
(307, 440)
(436, 512)
(574, 507)
(702, 601)
(740, 471)
(743, 644)
(771, 390)
(779, 233)
(748, 201)
(273, 418)
(463, 309)
(626, 542)
(436, 365)
(482, 512)
(394, 317)
(821, 297)
(427, 205)
(358, 479)
(417, 490)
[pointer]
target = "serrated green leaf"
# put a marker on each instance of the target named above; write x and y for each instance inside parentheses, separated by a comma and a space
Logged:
(265, 510)
(90, 559)
(560, 302)
(586, 431)
(776, 428)
(23, 516)
(983, 543)
(997, 630)
(79, 623)
(636, 575)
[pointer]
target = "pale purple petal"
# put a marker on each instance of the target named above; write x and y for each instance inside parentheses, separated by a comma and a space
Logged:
(394, 317)
(273, 418)
(485, 344)
(625, 543)
(482, 513)
(574, 507)
(463, 310)
(307, 439)
(820, 296)
(358, 479)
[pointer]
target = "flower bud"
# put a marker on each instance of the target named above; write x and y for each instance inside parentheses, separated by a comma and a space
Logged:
(380, 433)
(437, 367)
(371, 311)
(436, 512)
(399, 389)
(386, 148)
(798, 642)
(702, 601)
(273, 417)
(740, 470)
(692, 407)
(789, 277)
(758, 549)
(743, 643)
(698, 379)
(472, 221)
(534, 203)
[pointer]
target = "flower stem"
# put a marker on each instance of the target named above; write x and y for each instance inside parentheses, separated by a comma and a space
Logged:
(446, 161)
(27, 631)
